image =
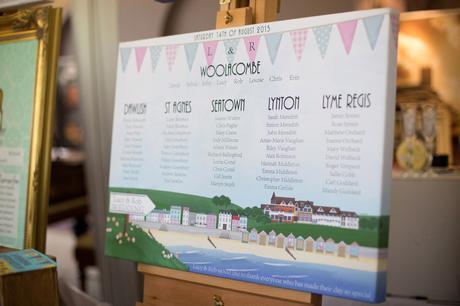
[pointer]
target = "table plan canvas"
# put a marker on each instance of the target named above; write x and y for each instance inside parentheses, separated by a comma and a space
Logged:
(261, 153)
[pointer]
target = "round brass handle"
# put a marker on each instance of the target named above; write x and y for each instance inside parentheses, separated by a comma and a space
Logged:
(217, 300)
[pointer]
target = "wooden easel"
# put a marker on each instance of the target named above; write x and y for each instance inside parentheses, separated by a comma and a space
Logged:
(167, 287)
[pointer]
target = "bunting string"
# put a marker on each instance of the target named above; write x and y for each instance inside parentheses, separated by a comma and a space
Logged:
(322, 35)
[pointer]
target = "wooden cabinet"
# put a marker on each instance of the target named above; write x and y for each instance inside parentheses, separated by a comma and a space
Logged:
(168, 287)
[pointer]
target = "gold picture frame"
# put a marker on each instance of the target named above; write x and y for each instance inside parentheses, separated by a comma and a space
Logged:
(41, 28)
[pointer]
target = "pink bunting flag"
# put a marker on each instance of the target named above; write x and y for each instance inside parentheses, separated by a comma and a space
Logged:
(347, 32)
(171, 55)
(298, 38)
(210, 50)
(140, 55)
(395, 28)
(252, 44)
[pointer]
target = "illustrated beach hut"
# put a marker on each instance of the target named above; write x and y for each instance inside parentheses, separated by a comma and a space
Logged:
(245, 237)
(263, 238)
(272, 238)
(192, 219)
(341, 249)
(309, 244)
(319, 245)
(291, 241)
(299, 243)
(253, 236)
(354, 250)
(330, 246)
(280, 241)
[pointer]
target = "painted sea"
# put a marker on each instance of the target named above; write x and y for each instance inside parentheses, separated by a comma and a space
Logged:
(321, 279)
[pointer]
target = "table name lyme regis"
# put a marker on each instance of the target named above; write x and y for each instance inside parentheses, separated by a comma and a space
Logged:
(343, 141)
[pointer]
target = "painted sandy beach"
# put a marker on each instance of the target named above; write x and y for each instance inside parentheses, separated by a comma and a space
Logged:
(174, 239)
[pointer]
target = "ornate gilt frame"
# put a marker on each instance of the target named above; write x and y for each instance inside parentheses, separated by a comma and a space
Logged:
(44, 25)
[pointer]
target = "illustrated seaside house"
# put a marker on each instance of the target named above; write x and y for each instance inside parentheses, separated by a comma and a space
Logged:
(133, 218)
(327, 216)
(225, 220)
(303, 212)
(235, 223)
(272, 238)
(243, 223)
(211, 221)
(299, 244)
(185, 216)
(175, 213)
(263, 238)
(290, 210)
(309, 244)
(192, 218)
(159, 216)
(291, 241)
(350, 220)
(165, 217)
(151, 217)
(283, 212)
(239, 223)
(320, 245)
(200, 220)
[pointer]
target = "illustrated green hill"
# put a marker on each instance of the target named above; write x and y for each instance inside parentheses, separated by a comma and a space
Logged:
(164, 200)
(137, 246)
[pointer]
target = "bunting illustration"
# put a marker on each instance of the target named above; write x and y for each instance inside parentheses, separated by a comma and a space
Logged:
(230, 49)
(140, 55)
(154, 56)
(346, 29)
(190, 53)
(347, 32)
(298, 38)
(372, 25)
(125, 53)
(171, 51)
(273, 42)
(252, 44)
(322, 35)
(210, 50)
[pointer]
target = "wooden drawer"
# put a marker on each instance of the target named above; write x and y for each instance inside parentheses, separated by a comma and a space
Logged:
(166, 287)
